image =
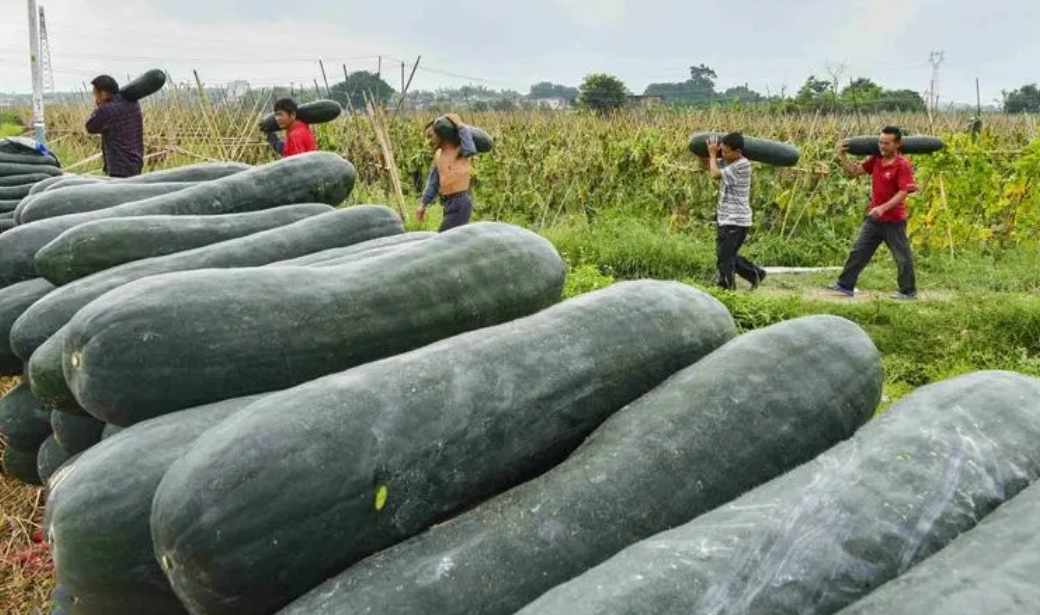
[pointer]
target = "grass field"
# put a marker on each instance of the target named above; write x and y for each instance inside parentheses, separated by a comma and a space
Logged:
(621, 198)
(25, 566)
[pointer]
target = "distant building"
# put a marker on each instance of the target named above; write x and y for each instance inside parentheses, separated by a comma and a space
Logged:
(636, 100)
(554, 104)
(237, 89)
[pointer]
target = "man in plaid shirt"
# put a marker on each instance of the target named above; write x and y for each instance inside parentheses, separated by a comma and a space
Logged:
(121, 126)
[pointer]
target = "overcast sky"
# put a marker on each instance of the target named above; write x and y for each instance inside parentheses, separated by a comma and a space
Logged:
(769, 44)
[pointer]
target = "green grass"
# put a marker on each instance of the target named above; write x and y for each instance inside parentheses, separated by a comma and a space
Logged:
(10, 130)
(978, 310)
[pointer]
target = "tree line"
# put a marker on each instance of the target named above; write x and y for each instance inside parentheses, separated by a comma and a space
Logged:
(604, 92)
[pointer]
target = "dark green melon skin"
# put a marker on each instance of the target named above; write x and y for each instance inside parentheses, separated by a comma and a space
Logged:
(50, 458)
(992, 569)
(15, 192)
(313, 112)
(912, 144)
(103, 244)
(827, 533)
(697, 441)
(313, 177)
(24, 422)
(440, 428)
(9, 206)
(97, 514)
(192, 173)
(338, 228)
(45, 364)
(348, 259)
(47, 379)
(147, 84)
(481, 139)
(27, 158)
(43, 184)
(24, 167)
(270, 328)
(92, 197)
(20, 465)
(336, 254)
(75, 433)
(14, 301)
(6, 225)
(68, 181)
(767, 151)
(111, 430)
(30, 179)
(62, 601)
(198, 172)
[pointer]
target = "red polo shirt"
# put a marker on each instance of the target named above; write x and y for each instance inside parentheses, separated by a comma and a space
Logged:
(886, 181)
(299, 139)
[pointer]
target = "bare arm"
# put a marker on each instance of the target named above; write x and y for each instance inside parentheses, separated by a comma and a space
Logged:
(852, 169)
(713, 159)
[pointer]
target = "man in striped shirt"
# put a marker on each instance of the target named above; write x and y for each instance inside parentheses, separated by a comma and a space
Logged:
(734, 209)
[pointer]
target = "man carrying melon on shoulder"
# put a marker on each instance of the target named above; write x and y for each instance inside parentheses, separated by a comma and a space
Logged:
(298, 135)
(892, 180)
(121, 125)
(727, 165)
(452, 171)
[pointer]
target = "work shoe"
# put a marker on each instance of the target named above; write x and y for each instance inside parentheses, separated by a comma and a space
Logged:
(838, 288)
(903, 296)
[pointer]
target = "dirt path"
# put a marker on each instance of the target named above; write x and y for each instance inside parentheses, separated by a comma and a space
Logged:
(811, 284)
(862, 296)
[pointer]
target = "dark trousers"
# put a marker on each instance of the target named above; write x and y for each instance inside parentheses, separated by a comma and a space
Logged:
(458, 208)
(728, 241)
(871, 235)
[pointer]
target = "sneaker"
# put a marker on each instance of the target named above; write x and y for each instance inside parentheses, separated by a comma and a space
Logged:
(903, 296)
(838, 288)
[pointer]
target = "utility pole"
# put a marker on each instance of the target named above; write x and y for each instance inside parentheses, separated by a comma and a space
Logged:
(935, 58)
(39, 128)
(45, 55)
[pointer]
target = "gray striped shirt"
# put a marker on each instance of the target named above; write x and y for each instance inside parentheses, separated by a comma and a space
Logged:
(735, 194)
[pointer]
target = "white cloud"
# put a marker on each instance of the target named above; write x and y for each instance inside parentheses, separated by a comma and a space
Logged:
(90, 37)
(864, 27)
(596, 14)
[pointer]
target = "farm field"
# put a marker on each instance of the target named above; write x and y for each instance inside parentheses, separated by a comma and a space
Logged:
(622, 198)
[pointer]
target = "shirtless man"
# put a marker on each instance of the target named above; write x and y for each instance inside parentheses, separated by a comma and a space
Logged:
(452, 171)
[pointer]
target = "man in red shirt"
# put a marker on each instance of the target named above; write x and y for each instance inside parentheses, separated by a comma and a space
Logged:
(892, 180)
(298, 135)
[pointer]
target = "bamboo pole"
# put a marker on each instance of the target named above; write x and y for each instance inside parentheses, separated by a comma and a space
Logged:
(375, 113)
(206, 114)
